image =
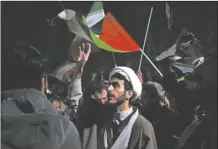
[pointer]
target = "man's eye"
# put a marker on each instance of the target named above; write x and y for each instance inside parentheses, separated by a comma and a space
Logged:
(104, 98)
(115, 84)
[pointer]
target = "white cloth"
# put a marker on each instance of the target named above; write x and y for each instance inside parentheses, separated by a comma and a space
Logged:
(125, 113)
(197, 62)
(123, 139)
(75, 92)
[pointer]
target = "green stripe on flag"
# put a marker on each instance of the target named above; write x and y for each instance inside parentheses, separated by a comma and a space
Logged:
(101, 44)
(97, 5)
(77, 24)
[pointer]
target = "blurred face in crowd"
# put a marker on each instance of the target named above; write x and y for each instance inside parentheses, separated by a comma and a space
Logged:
(101, 96)
(56, 104)
(100, 92)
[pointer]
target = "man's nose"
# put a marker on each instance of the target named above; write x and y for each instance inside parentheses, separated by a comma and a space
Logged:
(110, 87)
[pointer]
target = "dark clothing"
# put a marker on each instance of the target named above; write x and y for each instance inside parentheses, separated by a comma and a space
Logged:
(91, 116)
(202, 134)
(195, 136)
(164, 122)
(29, 121)
(142, 135)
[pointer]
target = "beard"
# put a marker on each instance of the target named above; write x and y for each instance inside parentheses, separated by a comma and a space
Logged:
(116, 102)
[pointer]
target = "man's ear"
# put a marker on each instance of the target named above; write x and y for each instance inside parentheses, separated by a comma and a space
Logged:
(129, 94)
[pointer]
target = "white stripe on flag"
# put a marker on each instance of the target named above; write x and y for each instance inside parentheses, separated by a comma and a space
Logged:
(95, 17)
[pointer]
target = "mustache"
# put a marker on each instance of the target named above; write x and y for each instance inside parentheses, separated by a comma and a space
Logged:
(110, 95)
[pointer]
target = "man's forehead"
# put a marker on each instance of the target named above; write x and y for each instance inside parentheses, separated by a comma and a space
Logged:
(116, 80)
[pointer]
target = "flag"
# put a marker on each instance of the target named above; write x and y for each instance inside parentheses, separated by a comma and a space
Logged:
(113, 37)
(93, 19)
(169, 15)
(95, 15)
(76, 23)
(170, 52)
(64, 71)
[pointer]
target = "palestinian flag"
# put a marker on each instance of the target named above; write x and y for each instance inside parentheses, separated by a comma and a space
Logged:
(93, 19)
(95, 15)
(68, 70)
(112, 36)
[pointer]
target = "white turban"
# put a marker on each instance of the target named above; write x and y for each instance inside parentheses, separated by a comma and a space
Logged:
(131, 76)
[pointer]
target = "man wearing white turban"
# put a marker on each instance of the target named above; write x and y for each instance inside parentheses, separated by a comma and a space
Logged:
(127, 129)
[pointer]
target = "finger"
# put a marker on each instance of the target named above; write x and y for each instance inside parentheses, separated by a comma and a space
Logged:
(186, 34)
(83, 45)
(80, 49)
(83, 54)
(192, 34)
(88, 47)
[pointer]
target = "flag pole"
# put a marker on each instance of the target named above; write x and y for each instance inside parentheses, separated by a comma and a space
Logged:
(143, 53)
(142, 50)
(114, 59)
(62, 5)
(146, 34)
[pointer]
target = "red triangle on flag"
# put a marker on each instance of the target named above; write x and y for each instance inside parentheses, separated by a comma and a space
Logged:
(116, 36)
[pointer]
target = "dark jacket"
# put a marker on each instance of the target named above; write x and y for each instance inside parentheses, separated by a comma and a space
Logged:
(29, 121)
(91, 116)
(142, 135)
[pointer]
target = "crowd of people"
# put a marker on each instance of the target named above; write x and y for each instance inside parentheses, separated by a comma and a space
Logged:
(119, 111)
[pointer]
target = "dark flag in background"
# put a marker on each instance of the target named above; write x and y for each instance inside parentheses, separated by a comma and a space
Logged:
(169, 15)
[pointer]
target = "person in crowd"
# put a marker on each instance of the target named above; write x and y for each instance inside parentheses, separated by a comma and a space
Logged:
(75, 87)
(157, 106)
(202, 133)
(70, 74)
(28, 119)
(92, 115)
(161, 112)
(127, 128)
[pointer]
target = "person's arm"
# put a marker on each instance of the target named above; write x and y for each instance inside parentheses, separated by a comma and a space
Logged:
(75, 88)
(75, 92)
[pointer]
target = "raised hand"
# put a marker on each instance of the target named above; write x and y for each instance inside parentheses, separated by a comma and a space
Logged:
(185, 36)
(84, 52)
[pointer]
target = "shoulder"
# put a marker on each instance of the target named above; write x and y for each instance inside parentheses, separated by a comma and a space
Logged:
(142, 121)
(145, 127)
(142, 132)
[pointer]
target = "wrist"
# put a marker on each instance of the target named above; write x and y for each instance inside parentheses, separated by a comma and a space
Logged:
(80, 62)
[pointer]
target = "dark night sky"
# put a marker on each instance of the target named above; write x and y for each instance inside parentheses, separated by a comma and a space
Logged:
(28, 21)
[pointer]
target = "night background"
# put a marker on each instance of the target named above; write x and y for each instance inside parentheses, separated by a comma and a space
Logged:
(28, 21)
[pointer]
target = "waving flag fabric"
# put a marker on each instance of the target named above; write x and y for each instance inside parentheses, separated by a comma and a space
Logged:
(96, 14)
(112, 36)
(93, 19)
(116, 36)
